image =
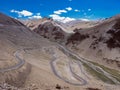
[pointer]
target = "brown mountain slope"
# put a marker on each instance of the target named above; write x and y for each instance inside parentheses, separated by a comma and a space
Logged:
(66, 62)
(100, 43)
(47, 28)
(8, 21)
(27, 57)
(15, 40)
(32, 24)
(51, 31)
(102, 39)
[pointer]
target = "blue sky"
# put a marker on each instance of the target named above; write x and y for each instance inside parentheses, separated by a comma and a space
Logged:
(61, 9)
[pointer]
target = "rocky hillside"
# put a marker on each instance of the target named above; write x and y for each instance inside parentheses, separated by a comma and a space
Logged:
(8, 20)
(34, 23)
(25, 58)
(100, 43)
(51, 31)
(114, 40)
(57, 31)
(28, 61)
(80, 24)
(14, 36)
(47, 28)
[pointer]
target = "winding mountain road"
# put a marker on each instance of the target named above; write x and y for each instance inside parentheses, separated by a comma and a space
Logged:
(20, 63)
(81, 80)
(53, 66)
(84, 82)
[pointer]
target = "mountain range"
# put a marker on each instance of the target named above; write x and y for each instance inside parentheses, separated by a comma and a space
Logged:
(49, 55)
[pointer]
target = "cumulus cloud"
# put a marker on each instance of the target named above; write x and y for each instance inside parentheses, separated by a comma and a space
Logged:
(22, 13)
(84, 19)
(89, 9)
(60, 11)
(61, 19)
(57, 17)
(38, 14)
(69, 8)
(76, 10)
(68, 19)
(85, 14)
(35, 17)
(27, 14)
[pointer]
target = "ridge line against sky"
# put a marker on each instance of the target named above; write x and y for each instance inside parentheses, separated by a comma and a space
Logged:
(61, 10)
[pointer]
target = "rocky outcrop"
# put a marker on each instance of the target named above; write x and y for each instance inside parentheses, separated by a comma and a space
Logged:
(34, 23)
(14, 36)
(76, 38)
(50, 31)
(114, 40)
(98, 42)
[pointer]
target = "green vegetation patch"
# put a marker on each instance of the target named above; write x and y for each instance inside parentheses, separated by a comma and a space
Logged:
(97, 74)
(113, 72)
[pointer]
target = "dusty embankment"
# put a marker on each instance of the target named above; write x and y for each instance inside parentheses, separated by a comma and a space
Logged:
(15, 74)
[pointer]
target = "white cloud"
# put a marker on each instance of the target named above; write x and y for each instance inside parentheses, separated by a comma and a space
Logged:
(57, 17)
(27, 14)
(69, 8)
(60, 11)
(76, 10)
(61, 19)
(85, 14)
(22, 13)
(35, 17)
(65, 19)
(84, 19)
(68, 19)
(89, 9)
(38, 14)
